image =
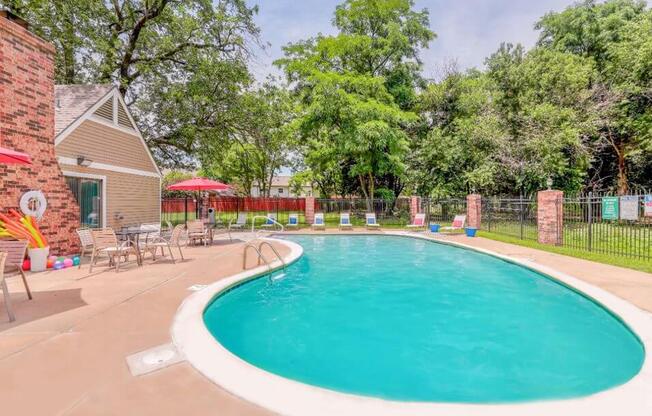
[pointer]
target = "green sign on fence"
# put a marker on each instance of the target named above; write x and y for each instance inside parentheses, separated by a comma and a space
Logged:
(610, 208)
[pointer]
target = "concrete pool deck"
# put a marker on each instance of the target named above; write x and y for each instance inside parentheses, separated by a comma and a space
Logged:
(66, 353)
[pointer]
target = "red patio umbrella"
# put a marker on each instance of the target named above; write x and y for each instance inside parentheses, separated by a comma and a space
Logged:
(8, 156)
(199, 184)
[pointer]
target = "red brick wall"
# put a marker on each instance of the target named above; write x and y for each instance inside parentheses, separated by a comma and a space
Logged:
(474, 210)
(550, 217)
(415, 204)
(27, 125)
(310, 209)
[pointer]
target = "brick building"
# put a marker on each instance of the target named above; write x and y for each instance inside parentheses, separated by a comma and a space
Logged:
(27, 125)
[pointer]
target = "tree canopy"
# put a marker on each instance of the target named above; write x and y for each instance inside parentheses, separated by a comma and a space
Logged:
(354, 115)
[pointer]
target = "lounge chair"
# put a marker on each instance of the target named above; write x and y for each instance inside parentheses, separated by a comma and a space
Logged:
(12, 254)
(240, 222)
(155, 243)
(293, 221)
(318, 223)
(270, 222)
(86, 241)
(419, 222)
(197, 232)
(370, 221)
(106, 242)
(345, 221)
(458, 224)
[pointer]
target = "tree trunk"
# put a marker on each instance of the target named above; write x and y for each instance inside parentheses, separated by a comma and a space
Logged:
(623, 185)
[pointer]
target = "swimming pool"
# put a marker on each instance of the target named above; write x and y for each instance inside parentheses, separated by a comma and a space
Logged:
(408, 320)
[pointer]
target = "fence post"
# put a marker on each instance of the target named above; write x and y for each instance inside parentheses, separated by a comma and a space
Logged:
(185, 210)
(414, 207)
(520, 214)
(310, 209)
(590, 219)
(550, 217)
(474, 210)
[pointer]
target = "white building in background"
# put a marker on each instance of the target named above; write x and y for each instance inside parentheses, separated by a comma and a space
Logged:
(281, 188)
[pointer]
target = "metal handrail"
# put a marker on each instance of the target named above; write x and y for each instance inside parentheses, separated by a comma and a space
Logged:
(260, 256)
(253, 222)
(278, 256)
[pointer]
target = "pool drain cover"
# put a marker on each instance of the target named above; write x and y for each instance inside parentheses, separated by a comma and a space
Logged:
(153, 359)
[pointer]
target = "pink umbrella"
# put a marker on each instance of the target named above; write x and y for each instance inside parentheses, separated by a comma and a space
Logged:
(199, 184)
(8, 156)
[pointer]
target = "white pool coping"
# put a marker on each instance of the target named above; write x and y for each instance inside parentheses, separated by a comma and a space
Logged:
(288, 397)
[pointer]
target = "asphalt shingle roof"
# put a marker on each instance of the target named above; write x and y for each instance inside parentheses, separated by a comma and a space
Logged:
(71, 101)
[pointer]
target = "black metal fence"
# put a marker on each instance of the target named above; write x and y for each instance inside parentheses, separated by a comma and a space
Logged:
(442, 211)
(612, 225)
(226, 209)
(512, 216)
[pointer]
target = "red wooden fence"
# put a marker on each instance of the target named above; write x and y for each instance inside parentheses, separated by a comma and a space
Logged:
(234, 204)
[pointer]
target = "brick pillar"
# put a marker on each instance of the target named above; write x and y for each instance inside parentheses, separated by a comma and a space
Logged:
(310, 209)
(474, 210)
(550, 219)
(27, 125)
(415, 204)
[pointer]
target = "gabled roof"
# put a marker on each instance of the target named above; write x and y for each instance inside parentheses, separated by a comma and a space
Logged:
(100, 103)
(72, 101)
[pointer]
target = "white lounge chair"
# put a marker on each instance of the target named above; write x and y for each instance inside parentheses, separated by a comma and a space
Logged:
(370, 221)
(240, 222)
(419, 222)
(345, 221)
(293, 220)
(153, 244)
(318, 223)
(270, 222)
(458, 224)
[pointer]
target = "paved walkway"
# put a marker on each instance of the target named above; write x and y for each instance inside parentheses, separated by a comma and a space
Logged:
(66, 353)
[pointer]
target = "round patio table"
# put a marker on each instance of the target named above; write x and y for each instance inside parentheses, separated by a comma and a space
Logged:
(133, 237)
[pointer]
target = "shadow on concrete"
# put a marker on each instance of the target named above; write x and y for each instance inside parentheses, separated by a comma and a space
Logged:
(44, 304)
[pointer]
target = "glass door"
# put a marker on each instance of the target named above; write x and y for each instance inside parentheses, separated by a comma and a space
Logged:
(88, 193)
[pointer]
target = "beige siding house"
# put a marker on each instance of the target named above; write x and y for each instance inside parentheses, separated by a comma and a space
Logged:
(104, 158)
(281, 188)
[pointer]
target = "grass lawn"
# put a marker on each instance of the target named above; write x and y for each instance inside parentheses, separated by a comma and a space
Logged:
(622, 261)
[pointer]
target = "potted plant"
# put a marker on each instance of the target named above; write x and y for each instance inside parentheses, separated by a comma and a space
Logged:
(25, 228)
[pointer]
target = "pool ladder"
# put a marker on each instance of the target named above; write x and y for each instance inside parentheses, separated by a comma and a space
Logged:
(258, 251)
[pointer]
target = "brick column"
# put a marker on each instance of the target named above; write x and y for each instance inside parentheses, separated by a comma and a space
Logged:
(415, 204)
(474, 210)
(310, 209)
(550, 218)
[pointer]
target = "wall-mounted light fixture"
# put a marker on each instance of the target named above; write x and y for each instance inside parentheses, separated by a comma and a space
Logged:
(549, 183)
(84, 161)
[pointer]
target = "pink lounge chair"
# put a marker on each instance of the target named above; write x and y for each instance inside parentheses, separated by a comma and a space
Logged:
(458, 224)
(419, 222)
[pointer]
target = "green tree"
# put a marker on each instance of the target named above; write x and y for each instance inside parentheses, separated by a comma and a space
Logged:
(350, 89)
(616, 36)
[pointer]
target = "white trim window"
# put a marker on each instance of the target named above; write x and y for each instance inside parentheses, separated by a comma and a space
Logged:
(90, 193)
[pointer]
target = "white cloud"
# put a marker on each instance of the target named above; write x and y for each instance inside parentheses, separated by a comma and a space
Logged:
(468, 31)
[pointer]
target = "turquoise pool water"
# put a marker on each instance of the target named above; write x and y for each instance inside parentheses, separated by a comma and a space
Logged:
(410, 320)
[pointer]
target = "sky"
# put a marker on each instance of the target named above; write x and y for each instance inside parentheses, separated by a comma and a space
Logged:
(467, 31)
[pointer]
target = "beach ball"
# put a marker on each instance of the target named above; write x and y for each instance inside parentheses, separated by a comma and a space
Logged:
(27, 265)
(67, 263)
(76, 260)
(52, 259)
(50, 263)
(58, 265)
(61, 259)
